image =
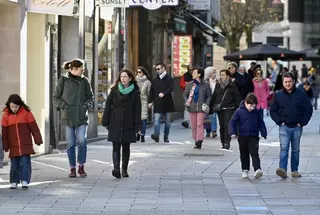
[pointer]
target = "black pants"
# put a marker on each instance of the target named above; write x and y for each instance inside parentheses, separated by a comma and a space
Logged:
(249, 146)
(224, 118)
(117, 154)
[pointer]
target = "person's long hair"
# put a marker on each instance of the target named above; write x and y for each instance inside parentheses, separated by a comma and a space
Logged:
(130, 74)
(144, 71)
(16, 99)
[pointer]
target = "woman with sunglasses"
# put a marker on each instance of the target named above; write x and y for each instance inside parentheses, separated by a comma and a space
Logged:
(261, 90)
(144, 84)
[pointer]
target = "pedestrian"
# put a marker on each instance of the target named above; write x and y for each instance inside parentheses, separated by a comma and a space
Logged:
(240, 78)
(246, 123)
(210, 76)
(73, 97)
(1, 153)
(304, 71)
(144, 85)
(314, 81)
(184, 80)
(197, 96)
(160, 98)
(294, 71)
(18, 124)
(251, 76)
(291, 110)
(225, 100)
(261, 90)
(122, 118)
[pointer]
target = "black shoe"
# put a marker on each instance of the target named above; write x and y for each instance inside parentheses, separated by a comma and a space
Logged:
(142, 139)
(227, 145)
(166, 140)
(138, 137)
(125, 173)
(185, 124)
(155, 138)
(208, 135)
(198, 144)
(116, 173)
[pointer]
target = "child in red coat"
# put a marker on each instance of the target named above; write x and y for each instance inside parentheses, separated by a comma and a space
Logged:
(18, 124)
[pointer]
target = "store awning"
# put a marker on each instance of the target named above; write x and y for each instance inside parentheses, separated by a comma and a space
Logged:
(208, 26)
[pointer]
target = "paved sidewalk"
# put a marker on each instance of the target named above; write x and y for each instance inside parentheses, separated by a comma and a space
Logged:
(172, 179)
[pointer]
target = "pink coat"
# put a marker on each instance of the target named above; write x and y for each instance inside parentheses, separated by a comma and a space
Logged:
(261, 90)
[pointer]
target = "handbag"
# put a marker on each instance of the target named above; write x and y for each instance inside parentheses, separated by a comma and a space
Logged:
(205, 108)
(217, 107)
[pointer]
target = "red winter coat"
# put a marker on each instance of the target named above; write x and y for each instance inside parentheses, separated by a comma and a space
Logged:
(16, 132)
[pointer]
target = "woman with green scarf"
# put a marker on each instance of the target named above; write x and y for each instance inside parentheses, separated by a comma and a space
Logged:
(122, 118)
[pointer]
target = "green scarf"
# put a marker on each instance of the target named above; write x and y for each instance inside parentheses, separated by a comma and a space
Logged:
(125, 90)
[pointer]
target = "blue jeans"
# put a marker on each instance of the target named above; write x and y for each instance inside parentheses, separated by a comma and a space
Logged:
(214, 122)
(289, 135)
(143, 127)
(157, 117)
(76, 135)
(20, 169)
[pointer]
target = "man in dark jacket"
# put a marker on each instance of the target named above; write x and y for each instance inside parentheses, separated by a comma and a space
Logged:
(184, 80)
(240, 78)
(291, 110)
(160, 98)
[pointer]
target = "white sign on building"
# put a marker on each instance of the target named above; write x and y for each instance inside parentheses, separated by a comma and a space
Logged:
(59, 7)
(153, 4)
(114, 3)
(199, 4)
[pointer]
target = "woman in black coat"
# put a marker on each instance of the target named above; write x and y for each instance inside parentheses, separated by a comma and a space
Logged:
(122, 118)
(227, 96)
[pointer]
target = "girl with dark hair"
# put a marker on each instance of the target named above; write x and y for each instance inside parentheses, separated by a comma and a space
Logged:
(225, 100)
(144, 84)
(122, 118)
(73, 97)
(18, 124)
(197, 94)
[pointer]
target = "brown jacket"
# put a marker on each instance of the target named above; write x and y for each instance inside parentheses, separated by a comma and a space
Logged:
(16, 132)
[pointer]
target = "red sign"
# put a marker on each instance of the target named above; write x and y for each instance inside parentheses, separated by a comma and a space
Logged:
(182, 54)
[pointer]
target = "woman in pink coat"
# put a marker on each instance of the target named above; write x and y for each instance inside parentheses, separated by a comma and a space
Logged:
(261, 90)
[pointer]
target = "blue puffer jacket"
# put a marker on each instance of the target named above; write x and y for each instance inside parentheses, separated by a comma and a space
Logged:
(291, 108)
(247, 123)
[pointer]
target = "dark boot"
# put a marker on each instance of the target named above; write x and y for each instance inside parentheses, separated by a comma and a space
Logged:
(142, 139)
(116, 164)
(155, 137)
(166, 139)
(198, 144)
(73, 173)
(214, 134)
(125, 162)
(227, 145)
(138, 137)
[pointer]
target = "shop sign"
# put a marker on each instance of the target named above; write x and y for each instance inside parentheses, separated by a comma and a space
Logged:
(59, 7)
(153, 4)
(182, 54)
(114, 3)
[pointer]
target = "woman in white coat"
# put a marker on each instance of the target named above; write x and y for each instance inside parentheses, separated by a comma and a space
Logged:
(144, 84)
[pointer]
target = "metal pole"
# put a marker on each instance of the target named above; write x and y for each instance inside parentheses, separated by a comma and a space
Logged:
(82, 16)
(125, 36)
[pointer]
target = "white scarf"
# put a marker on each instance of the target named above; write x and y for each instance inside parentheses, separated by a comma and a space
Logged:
(212, 83)
(161, 76)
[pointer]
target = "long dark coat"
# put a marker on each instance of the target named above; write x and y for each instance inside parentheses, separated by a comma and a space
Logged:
(122, 116)
(165, 86)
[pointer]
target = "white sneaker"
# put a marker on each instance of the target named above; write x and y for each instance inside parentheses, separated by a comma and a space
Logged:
(13, 186)
(24, 185)
(245, 173)
(258, 174)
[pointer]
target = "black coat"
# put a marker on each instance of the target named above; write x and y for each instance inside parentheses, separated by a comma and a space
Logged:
(122, 116)
(232, 98)
(165, 86)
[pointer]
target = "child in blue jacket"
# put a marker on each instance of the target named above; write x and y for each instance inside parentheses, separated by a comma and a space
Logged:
(246, 123)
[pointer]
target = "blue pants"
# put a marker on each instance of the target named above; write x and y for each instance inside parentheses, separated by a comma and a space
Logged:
(157, 117)
(214, 122)
(20, 169)
(76, 135)
(143, 127)
(289, 135)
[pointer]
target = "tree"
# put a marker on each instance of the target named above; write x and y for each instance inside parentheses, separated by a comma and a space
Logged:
(237, 19)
